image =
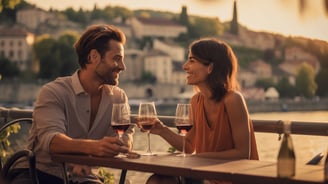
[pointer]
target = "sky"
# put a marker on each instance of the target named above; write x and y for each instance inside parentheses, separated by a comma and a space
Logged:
(284, 17)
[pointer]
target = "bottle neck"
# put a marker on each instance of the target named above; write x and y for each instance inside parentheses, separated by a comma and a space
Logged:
(287, 127)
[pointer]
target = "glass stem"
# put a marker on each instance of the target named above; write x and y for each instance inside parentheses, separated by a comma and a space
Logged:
(120, 135)
(148, 136)
(183, 145)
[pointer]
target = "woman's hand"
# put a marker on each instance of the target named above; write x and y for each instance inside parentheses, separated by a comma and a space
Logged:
(158, 127)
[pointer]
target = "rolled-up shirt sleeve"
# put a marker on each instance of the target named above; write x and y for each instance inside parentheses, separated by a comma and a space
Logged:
(48, 116)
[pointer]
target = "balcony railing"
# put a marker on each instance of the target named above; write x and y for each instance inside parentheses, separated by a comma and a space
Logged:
(268, 126)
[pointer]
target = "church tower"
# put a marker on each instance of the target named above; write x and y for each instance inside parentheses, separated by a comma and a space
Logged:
(234, 22)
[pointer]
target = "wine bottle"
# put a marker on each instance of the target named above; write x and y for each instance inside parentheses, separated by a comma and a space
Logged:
(286, 158)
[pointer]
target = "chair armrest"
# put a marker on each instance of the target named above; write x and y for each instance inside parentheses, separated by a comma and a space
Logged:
(17, 155)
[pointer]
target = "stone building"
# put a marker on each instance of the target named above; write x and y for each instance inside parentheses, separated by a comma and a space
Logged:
(156, 27)
(16, 45)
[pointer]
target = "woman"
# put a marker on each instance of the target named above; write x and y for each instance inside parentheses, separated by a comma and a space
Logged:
(222, 126)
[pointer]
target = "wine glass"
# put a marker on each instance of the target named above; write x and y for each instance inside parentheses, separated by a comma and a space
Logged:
(120, 119)
(147, 113)
(183, 122)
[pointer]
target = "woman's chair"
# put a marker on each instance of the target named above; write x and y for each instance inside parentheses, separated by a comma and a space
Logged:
(13, 141)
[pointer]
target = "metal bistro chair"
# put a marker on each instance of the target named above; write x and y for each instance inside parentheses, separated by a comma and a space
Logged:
(13, 139)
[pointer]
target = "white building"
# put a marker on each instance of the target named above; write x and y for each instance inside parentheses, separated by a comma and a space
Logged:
(176, 52)
(261, 69)
(32, 17)
(134, 63)
(160, 65)
(246, 78)
(16, 45)
(156, 27)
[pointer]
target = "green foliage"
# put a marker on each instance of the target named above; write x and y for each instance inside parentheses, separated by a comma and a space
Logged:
(10, 4)
(108, 13)
(79, 16)
(56, 57)
(321, 80)
(153, 13)
(198, 27)
(148, 77)
(285, 89)
(204, 27)
(4, 142)
(305, 82)
(246, 55)
(264, 83)
(145, 42)
(269, 56)
(8, 69)
(8, 9)
(171, 150)
(108, 177)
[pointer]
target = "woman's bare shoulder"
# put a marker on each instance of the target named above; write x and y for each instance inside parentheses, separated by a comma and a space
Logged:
(233, 97)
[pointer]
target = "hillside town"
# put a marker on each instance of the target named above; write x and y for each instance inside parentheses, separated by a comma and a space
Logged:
(163, 58)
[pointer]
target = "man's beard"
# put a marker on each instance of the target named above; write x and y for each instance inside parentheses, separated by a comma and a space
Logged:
(106, 79)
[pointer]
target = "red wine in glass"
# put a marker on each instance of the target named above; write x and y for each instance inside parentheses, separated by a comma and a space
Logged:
(183, 129)
(183, 122)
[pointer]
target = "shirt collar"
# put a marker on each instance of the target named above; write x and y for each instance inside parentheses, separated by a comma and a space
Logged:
(77, 86)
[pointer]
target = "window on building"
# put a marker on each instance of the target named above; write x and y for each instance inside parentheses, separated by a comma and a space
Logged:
(11, 43)
(11, 54)
(19, 54)
(2, 43)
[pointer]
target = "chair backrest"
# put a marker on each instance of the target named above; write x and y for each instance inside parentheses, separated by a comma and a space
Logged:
(13, 142)
(13, 137)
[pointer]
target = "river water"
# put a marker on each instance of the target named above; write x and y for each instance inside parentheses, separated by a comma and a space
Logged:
(267, 143)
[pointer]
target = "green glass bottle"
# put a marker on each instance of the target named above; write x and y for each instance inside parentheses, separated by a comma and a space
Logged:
(286, 161)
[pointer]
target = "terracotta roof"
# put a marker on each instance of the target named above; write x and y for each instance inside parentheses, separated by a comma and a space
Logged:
(154, 52)
(13, 32)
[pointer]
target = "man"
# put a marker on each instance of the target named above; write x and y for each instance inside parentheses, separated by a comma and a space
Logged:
(72, 114)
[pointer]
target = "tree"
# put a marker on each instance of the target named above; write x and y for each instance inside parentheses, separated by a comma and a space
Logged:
(148, 77)
(201, 27)
(305, 82)
(122, 12)
(8, 69)
(264, 83)
(10, 4)
(56, 57)
(96, 13)
(68, 58)
(285, 89)
(47, 56)
(321, 80)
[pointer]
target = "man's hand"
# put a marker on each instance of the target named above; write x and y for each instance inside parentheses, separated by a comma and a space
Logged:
(110, 147)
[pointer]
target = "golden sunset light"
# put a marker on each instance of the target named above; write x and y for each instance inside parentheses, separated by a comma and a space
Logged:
(288, 17)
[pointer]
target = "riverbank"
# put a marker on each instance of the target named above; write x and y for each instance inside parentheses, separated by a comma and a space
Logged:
(23, 95)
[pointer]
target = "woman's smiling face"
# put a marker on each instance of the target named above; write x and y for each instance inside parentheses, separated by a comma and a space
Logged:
(196, 71)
